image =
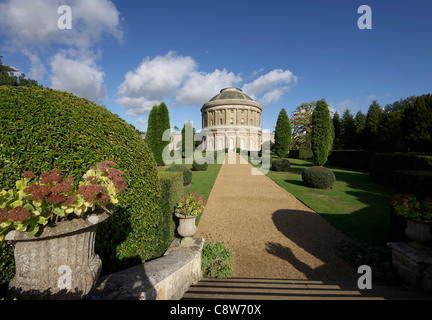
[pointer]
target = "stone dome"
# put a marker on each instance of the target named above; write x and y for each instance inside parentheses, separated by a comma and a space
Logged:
(231, 93)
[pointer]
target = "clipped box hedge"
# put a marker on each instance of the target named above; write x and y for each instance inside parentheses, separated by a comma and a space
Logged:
(351, 159)
(171, 190)
(43, 129)
(383, 166)
(301, 154)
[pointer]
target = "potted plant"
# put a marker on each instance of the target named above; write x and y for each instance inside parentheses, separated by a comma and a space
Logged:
(187, 209)
(418, 214)
(52, 225)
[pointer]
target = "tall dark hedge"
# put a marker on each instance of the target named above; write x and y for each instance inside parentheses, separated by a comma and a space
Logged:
(158, 122)
(43, 129)
(282, 134)
(322, 132)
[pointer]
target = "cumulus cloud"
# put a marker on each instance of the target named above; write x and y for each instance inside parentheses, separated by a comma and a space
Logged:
(271, 86)
(31, 27)
(177, 78)
(170, 77)
(79, 76)
(201, 86)
(34, 22)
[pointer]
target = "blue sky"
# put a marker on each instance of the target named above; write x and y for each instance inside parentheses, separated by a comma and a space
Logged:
(129, 55)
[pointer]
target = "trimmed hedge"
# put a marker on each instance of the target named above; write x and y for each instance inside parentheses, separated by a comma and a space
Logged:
(199, 167)
(280, 164)
(43, 129)
(318, 177)
(383, 166)
(187, 173)
(171, 190)
(300, 154)
(351, 159)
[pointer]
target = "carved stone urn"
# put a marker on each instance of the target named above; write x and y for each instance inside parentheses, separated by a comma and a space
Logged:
(187, 226)
(58, 263)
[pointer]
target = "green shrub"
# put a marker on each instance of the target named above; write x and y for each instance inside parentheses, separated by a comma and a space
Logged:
(199, 167)
(383, 165)
(216, 260)
(43, 129)
(187, 173)
(300, 154)
(379, 258)
(352, 159)
(171, 190)
(280, 164)
(318, 177)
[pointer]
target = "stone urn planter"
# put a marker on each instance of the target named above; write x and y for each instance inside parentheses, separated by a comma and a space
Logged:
(418, 230)
(187, 226)
(60, 262)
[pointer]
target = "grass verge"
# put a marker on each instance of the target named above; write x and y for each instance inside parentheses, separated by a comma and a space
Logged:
(355, 205)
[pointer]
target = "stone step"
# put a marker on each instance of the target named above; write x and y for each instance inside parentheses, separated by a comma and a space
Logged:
(283, 289)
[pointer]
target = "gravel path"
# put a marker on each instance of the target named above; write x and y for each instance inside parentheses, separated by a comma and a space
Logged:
(273, 235)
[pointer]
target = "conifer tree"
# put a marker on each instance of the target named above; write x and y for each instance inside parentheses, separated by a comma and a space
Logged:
(322, 133)
(158, 122)
(282, 134)
(372, 125)
(337, 125)
(188, 139)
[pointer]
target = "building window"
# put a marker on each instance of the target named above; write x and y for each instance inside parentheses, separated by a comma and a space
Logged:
(211, 122)
(231, 121)
(220, 112)
(220, 121)
(251, 122)
(232, 111)
(242, 122)
(242, 111)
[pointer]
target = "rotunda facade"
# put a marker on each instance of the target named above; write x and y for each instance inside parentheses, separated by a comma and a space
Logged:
(231, 120)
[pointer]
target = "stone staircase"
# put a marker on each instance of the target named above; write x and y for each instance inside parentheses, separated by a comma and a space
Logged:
(280, 289)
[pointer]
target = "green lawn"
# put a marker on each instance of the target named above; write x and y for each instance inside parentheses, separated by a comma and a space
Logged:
(354, 205)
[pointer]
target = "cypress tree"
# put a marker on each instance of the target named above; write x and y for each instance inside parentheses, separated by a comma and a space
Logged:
(348, 129)
(158, 122)
(322, 133)
(372, 125)
(337, 125)
(164, 124)
(282, 134)
(187, 139)
(359, 124)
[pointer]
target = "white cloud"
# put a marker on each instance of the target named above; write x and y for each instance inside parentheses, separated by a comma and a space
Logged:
(200, 87)
(176, 78)
(82, 77)
(372, 97)
(34, 22)
(271, 85)
(31, 27)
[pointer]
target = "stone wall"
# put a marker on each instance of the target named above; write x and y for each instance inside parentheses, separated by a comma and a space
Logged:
(165, 278)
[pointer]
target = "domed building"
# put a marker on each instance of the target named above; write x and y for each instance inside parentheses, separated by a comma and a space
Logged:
(231, 120)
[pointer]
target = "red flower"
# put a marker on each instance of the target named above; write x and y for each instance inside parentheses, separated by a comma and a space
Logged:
(16, 214)
(29, 175)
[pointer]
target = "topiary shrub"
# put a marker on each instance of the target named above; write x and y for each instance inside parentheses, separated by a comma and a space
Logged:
(43, 129)
(199, 167)
(187, 173)
(318, 177)
(280, 164)
(171, 190)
